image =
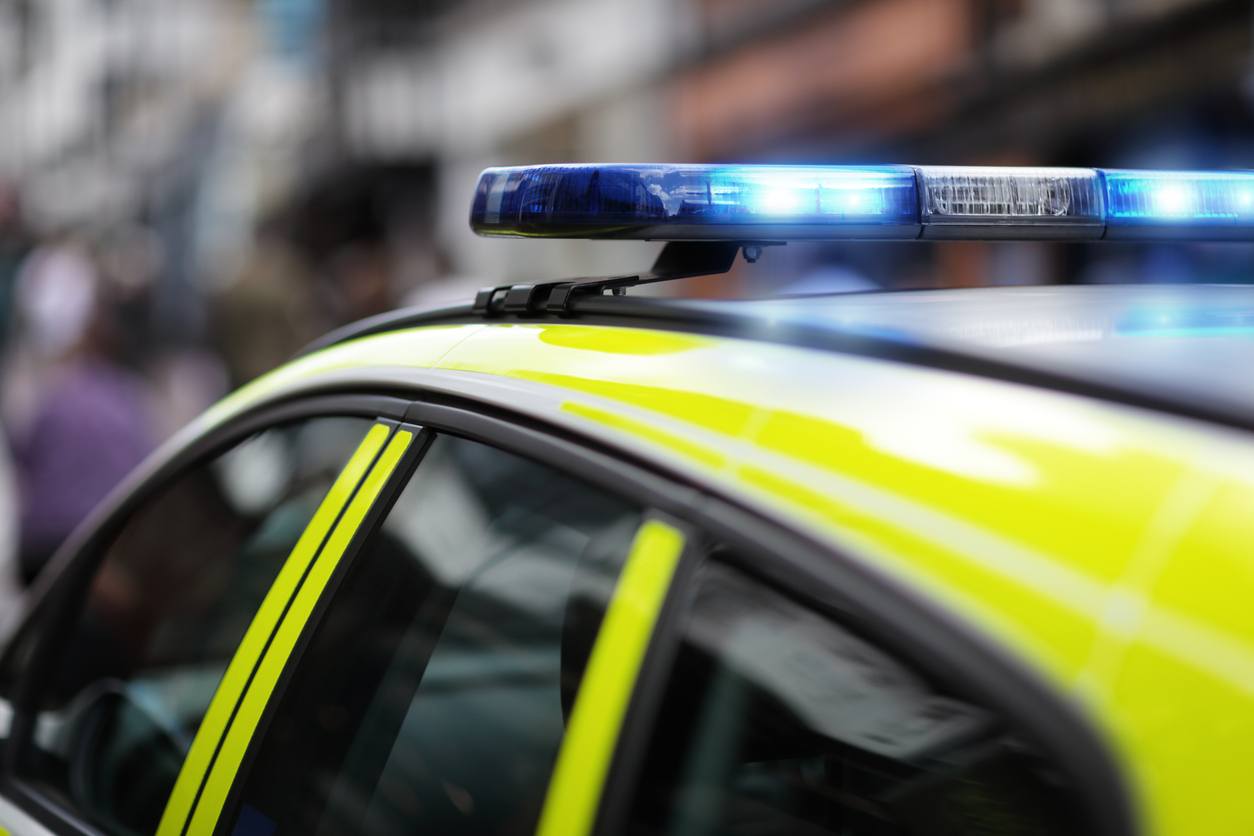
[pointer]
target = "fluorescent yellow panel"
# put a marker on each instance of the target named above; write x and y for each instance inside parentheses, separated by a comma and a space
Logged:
(1181, 694)
(231, 688)
(588, 747)
(418, 348)
(240, 734)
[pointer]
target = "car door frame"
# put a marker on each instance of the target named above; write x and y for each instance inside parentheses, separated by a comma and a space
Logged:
(65, 582)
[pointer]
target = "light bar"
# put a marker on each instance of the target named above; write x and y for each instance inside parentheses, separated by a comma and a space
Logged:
(781, 203)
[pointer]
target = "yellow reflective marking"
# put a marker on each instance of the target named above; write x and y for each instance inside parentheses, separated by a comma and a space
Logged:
(238, 736)
(584, 760)
(649, 433)
(231, 688)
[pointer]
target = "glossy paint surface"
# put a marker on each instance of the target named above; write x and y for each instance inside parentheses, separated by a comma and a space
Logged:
(1112, 549)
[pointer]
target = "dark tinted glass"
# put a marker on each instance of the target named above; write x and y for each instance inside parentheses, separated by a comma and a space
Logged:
(433, 695)
(777, 720)
(174, 593)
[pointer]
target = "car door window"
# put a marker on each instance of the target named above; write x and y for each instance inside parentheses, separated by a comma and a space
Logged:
(175, 590)
(433, 695)
(778, 720)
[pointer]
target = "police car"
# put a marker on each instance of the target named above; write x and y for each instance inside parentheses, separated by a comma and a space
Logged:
(570, 560)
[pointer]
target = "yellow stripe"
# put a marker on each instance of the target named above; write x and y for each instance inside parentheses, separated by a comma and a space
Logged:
(571, 805)
(192, 773)
(205, 818)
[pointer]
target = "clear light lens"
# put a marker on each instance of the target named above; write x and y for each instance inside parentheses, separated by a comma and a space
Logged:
(1176, 197)
(961, 195)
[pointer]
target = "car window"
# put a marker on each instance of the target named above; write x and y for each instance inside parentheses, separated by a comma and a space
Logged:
(174, 593)
(778, 720)
(433, 696)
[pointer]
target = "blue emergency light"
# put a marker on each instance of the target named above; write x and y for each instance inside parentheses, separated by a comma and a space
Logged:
(780, 203)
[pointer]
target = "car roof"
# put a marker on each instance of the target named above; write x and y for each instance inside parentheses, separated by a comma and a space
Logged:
(1183, 349)
(1106, 547)
(1192, 344)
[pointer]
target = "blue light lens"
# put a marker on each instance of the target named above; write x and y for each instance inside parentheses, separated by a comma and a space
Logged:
(1182, 320)
(1193, 202)
(694, 202)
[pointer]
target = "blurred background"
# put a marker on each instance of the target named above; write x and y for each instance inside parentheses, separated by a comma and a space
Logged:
(190, 190)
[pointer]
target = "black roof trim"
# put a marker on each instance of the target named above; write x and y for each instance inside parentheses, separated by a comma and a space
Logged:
(714, 318)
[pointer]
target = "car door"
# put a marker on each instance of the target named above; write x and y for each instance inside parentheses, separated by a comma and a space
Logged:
(436, 691)
(122, 679)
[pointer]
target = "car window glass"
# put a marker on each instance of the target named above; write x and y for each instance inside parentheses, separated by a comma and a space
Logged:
(175, 591)
(433, 696)
(777, 720)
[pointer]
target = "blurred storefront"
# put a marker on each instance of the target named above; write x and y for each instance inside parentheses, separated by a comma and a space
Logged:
(205, 118)
(1156, 83)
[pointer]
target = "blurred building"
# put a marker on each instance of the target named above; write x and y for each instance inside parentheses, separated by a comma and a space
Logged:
(357, 127)
(1154, 83)
(1052, 82)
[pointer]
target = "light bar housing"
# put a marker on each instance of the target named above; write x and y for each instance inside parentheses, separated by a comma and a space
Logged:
(753, 203)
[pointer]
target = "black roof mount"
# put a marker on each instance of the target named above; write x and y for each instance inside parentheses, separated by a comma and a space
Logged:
(678, 260)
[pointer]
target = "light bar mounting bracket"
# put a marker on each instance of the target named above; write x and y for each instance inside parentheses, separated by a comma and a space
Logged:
(677, 260)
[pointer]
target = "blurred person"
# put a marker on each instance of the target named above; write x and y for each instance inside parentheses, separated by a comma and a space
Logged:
(14, 246)
(362, 281)
(10, 587)
(186, 381)
(85, 421)
(268, 311)
(54, 291)
(185, 378)
(436, 283)
(128, 259)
